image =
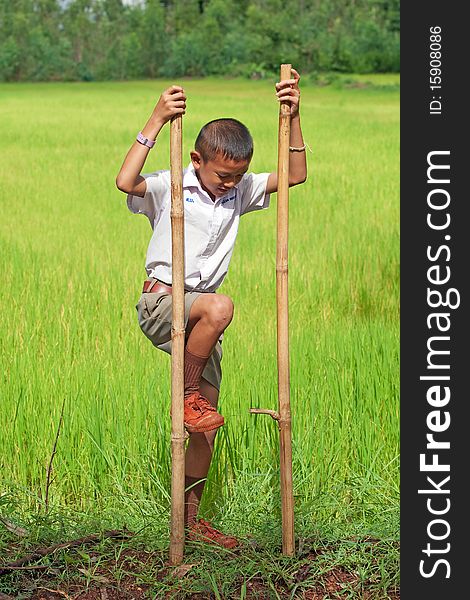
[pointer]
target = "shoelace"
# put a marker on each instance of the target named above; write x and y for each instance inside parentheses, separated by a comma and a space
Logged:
(205, 527)
(200, 403)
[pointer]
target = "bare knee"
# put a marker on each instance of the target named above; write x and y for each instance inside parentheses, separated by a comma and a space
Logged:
(219, 311)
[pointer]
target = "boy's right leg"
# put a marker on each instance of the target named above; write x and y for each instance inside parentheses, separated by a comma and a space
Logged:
(198, 459)
(197, 462)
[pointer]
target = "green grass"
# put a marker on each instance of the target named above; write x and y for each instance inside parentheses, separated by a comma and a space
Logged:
(72, 259)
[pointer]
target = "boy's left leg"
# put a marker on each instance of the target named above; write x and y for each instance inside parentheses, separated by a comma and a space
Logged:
(206, 317)
(209, 316)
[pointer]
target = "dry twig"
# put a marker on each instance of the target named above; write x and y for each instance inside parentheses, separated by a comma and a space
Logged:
(12, 528)
(49, 468)
(60, 592)
(41, 552)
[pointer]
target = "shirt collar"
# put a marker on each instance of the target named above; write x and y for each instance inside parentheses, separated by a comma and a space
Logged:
(189, 177)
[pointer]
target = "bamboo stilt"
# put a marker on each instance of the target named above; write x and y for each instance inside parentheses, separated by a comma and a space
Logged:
(283, 416)
(177, 345)
(287, 495)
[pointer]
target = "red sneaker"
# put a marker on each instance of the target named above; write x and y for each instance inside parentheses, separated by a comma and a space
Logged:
(200, 415)
(202, 531)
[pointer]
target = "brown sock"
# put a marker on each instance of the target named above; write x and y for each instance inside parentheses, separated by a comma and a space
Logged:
(193, 367)
(192, 498)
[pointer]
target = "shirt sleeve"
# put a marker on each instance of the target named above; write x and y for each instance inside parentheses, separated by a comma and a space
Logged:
(253, 192)
(152, 202)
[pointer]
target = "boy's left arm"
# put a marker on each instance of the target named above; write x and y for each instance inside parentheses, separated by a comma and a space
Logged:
(288, 91)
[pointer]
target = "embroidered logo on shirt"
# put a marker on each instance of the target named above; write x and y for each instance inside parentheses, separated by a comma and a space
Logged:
(227, 200)
(189, 199)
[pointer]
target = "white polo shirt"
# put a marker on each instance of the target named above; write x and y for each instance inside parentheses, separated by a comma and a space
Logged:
(210, 227)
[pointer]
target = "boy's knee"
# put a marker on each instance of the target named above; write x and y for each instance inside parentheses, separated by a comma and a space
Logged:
(220, 310)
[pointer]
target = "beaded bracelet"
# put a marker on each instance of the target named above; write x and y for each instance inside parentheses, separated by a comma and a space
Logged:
(301, 149)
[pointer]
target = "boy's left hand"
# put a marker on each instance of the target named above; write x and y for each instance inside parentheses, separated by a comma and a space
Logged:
(288, 90)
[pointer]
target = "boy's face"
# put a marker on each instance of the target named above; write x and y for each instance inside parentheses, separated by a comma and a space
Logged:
(219, 175)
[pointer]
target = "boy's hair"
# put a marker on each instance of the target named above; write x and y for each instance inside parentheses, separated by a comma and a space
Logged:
(227, 137)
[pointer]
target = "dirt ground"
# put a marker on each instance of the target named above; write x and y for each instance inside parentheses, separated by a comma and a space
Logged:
(102, 584)
(121, 577)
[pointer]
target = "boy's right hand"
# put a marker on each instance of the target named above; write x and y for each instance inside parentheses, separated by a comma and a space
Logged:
(172, 102)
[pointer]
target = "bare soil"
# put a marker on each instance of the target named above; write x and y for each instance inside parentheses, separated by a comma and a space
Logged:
(122, 577)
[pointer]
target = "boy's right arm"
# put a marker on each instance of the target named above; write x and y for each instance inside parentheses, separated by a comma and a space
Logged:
(172, 102)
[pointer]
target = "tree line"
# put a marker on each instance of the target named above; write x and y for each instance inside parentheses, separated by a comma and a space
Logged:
(70, 40)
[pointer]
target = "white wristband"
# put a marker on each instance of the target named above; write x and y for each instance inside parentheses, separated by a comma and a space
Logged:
(145, 141)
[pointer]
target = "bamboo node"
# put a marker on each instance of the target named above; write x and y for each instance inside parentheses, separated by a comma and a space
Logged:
(285, 423)
(176, 437)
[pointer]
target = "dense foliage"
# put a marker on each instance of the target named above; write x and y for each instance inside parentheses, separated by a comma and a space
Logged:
(112, 39)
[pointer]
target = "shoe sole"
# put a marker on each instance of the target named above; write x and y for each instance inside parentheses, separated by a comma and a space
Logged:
(207, 540)
(210, 542)
(202, 428)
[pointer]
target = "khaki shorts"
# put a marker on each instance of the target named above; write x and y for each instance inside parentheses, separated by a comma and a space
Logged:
(154, 312)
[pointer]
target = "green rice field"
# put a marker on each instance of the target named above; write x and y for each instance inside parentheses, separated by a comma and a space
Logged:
(72, 261)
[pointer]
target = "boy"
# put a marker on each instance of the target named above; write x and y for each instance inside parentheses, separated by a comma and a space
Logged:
(217, 191)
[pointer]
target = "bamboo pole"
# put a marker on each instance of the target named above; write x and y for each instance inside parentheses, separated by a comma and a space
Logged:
(283, 416)
(177, 344)
(287, 496)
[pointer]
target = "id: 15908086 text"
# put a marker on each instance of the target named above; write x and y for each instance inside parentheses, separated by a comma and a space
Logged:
(435, 71)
